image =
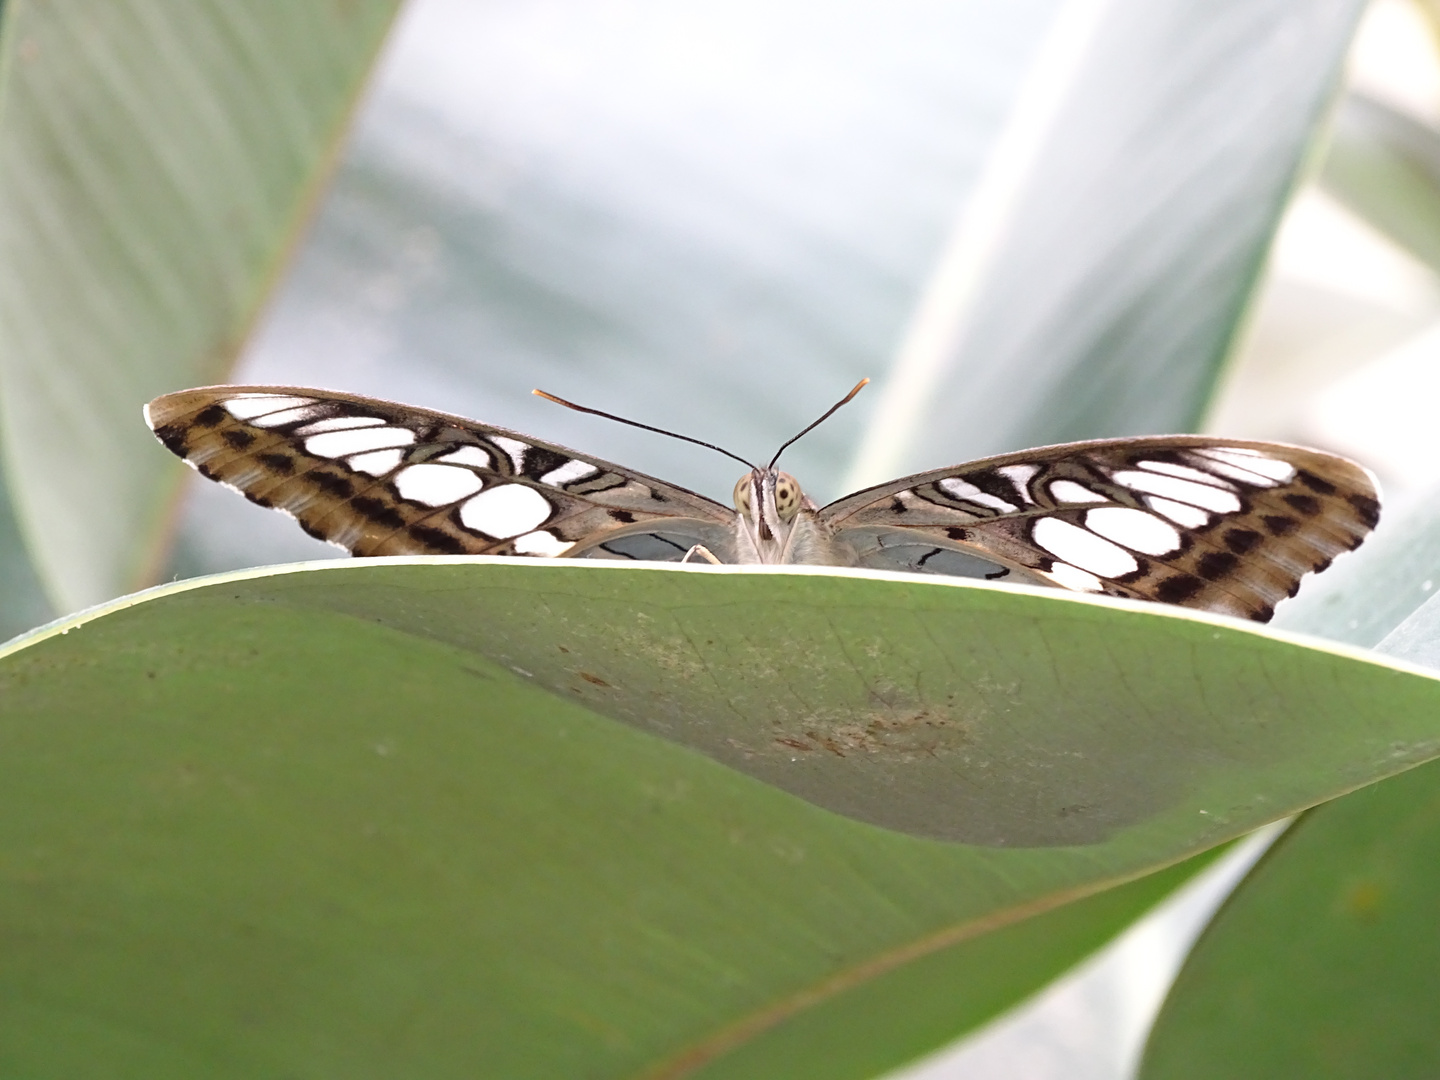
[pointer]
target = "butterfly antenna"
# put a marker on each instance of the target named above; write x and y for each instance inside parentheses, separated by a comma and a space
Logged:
(828, 413)
(662, 431)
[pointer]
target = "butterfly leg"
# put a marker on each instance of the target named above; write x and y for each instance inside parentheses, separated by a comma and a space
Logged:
(698, 552)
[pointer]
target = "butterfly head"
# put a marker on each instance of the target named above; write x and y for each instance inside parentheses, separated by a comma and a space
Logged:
(768, 502)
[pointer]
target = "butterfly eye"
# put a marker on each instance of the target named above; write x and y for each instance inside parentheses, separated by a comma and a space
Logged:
(742, 495)
(787, 496)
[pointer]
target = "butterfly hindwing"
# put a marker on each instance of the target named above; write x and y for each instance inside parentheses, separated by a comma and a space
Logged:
(378, 478)
(1220, 524)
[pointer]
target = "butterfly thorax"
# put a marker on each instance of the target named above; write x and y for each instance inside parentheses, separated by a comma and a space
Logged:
(776, 522)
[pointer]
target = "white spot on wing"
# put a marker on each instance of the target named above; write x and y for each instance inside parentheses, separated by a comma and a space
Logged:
(505, 511)
(1191, 517)
(514, 447)
(1083, 548)
(541, 543)
(959, 489)
(338, 423)
(377, 462)
(286, 416)
(571, 470)
(436, 485)
(1171, 487)
(1248, 462)
(1135, 529)
(334, 444)
(1184, 472)
(469, 455)
(1020, 476)
(1068, 491)
(249, 406)
(1072, 577)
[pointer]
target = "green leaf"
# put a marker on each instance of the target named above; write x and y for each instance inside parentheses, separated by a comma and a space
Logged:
(1385, 166)
(1097, 282)
(367, 819)
(901, 1014)
(1325, 962)
(156, 161)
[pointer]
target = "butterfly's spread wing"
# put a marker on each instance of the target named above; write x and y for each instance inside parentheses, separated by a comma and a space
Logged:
(378, 478)
(1219, 524)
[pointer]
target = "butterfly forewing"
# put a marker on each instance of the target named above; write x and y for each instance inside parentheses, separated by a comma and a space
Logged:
(1219, 524)
(378, 478)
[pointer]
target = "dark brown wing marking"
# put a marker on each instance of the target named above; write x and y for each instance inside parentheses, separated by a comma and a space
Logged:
(1220, 524)
(378, 478)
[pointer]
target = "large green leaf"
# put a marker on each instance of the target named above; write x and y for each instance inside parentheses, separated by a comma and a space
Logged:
(1325, 961)
(156, 160)
(1095, 286)
(332, 819)
(870, 1026)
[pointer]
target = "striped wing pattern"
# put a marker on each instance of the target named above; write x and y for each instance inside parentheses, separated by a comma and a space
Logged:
(1219, 524)
(378, 478)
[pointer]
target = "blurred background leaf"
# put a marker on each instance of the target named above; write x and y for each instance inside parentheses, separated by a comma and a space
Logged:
(156, 163)
(1122, 229)
(1325, 962)
(1385, 166)
(23, 603)
(714, 217)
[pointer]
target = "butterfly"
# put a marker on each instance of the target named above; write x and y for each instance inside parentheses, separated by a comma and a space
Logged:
(1223, 525)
